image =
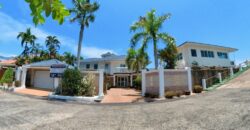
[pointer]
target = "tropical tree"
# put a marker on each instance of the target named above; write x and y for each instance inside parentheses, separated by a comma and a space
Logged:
(137, 59)
(147, 29)
(53, 44)
(169, 55)
(27, 40)
(84, 15)
(69, 58)
(36, 49)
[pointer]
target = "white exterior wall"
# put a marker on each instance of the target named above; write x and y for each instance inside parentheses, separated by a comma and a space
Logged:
(202, 61)
(101, 65)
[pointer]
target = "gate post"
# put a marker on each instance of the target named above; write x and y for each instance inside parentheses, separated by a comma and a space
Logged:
(143, 77)
(204, 84)
(231, 72)
(101, 80)
(161, 82)
(219, 77)
(190, 83)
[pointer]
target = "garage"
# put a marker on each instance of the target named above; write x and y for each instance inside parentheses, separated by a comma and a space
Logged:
(42, 80)
(37, 75)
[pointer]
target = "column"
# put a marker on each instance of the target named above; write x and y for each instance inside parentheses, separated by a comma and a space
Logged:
(231, 72)
(204, 84)
(131, 80)
(101, 81)
(219, 77)
(18, 73)
(56, 83)
(23, 80)
(143, 87)
(161, 83)
(114, 84)
(190, 84)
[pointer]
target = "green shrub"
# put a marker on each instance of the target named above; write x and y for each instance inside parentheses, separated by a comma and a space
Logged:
(87, 86)
(137, 82)
(149, 95)
(198, 89)
(7, 76)
(170, 94)
(71, 82)
(17, 83)
(74, 84)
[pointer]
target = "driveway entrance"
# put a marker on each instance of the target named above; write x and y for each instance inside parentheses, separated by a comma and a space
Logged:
(33, 92)
(122, 95)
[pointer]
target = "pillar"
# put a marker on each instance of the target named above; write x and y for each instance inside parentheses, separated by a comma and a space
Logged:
(101, 83)
(190, 83)
(204, 83)
(220, 77)
(143, 87)
(131, 80)
(114, 84)
(161, 83)
(231, 72)
(23, 79)
(56, 83)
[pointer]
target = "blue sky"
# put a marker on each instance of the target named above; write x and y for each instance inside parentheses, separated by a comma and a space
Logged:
(221, 22)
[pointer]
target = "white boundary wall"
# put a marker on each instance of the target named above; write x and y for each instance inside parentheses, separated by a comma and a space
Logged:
(158, 81)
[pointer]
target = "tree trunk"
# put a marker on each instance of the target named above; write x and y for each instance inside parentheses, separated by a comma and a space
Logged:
(155, 54)
(80, 46)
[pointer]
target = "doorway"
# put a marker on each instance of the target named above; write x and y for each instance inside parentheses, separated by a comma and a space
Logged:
(122, 81)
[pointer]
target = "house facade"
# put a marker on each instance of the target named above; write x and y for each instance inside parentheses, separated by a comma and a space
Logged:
(113, 65)
(204, 55)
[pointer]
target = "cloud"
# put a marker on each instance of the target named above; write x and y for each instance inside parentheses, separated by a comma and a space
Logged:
(9, 28)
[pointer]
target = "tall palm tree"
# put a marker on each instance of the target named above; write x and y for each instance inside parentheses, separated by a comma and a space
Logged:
(84, 15)
(147, 29)
(36, 49)
(27, 40)
(69, 58)
(53, 44)
(137, 59)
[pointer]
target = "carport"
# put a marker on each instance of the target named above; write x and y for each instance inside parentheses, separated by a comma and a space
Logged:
(37, 75)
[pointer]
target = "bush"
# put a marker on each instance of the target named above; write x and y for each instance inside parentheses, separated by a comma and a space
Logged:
(198, 89)
(71, 82)
(149, 95)
(170, 94)
(74, 84)
(17, 83)
(137, 83)
(87, 86)
(7, 76)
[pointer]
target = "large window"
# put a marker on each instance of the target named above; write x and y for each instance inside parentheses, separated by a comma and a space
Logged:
(209, 54)
(87, 66)
(193, 53)
(95, 66)
(222, 55)
(179, 56)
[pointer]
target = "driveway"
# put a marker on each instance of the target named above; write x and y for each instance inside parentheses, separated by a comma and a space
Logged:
(224, 109)
(122, 95)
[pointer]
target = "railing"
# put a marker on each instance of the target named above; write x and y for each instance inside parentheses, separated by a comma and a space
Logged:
(222, 76)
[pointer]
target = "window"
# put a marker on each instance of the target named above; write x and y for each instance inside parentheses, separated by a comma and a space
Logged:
(87, 66)
(222, 55)
(209, 54)
(179, 56)
(95, 66)
(106, 66)
(122, 65)
(193, 53)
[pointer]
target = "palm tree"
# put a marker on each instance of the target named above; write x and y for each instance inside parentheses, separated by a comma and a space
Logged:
(53, 44)
(84, 14)
(147, 29)
(36, 49)
(137, 59)
(169, 55)
(69, 58)
(27, 38)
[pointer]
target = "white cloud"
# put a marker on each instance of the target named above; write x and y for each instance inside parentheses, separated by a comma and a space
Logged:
(9, 28)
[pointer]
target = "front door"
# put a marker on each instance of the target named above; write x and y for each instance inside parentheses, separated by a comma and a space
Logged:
(122, 81)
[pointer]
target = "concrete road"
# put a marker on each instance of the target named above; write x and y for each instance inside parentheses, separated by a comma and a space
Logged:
(227, 108)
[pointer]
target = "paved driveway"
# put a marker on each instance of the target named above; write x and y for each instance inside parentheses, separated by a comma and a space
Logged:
(122, 95)
(221, 109)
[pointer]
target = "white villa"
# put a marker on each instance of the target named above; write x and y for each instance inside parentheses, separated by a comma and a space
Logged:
(190, 54)
(204, 55)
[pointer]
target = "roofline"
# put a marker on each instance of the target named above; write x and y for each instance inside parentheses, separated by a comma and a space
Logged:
(198, 43)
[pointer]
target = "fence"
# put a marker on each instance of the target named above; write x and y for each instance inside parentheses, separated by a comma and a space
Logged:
(217, 75)
(98, 80)
(156, 82)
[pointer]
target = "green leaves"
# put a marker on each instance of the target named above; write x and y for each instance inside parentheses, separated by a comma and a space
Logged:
(45, 8)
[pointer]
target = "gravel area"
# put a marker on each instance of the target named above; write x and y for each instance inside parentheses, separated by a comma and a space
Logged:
(225, 109)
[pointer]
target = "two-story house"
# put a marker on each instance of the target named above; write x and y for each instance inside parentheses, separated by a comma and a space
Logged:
(204, 55)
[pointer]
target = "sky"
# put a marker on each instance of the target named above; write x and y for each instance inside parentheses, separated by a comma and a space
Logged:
(219, 22)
